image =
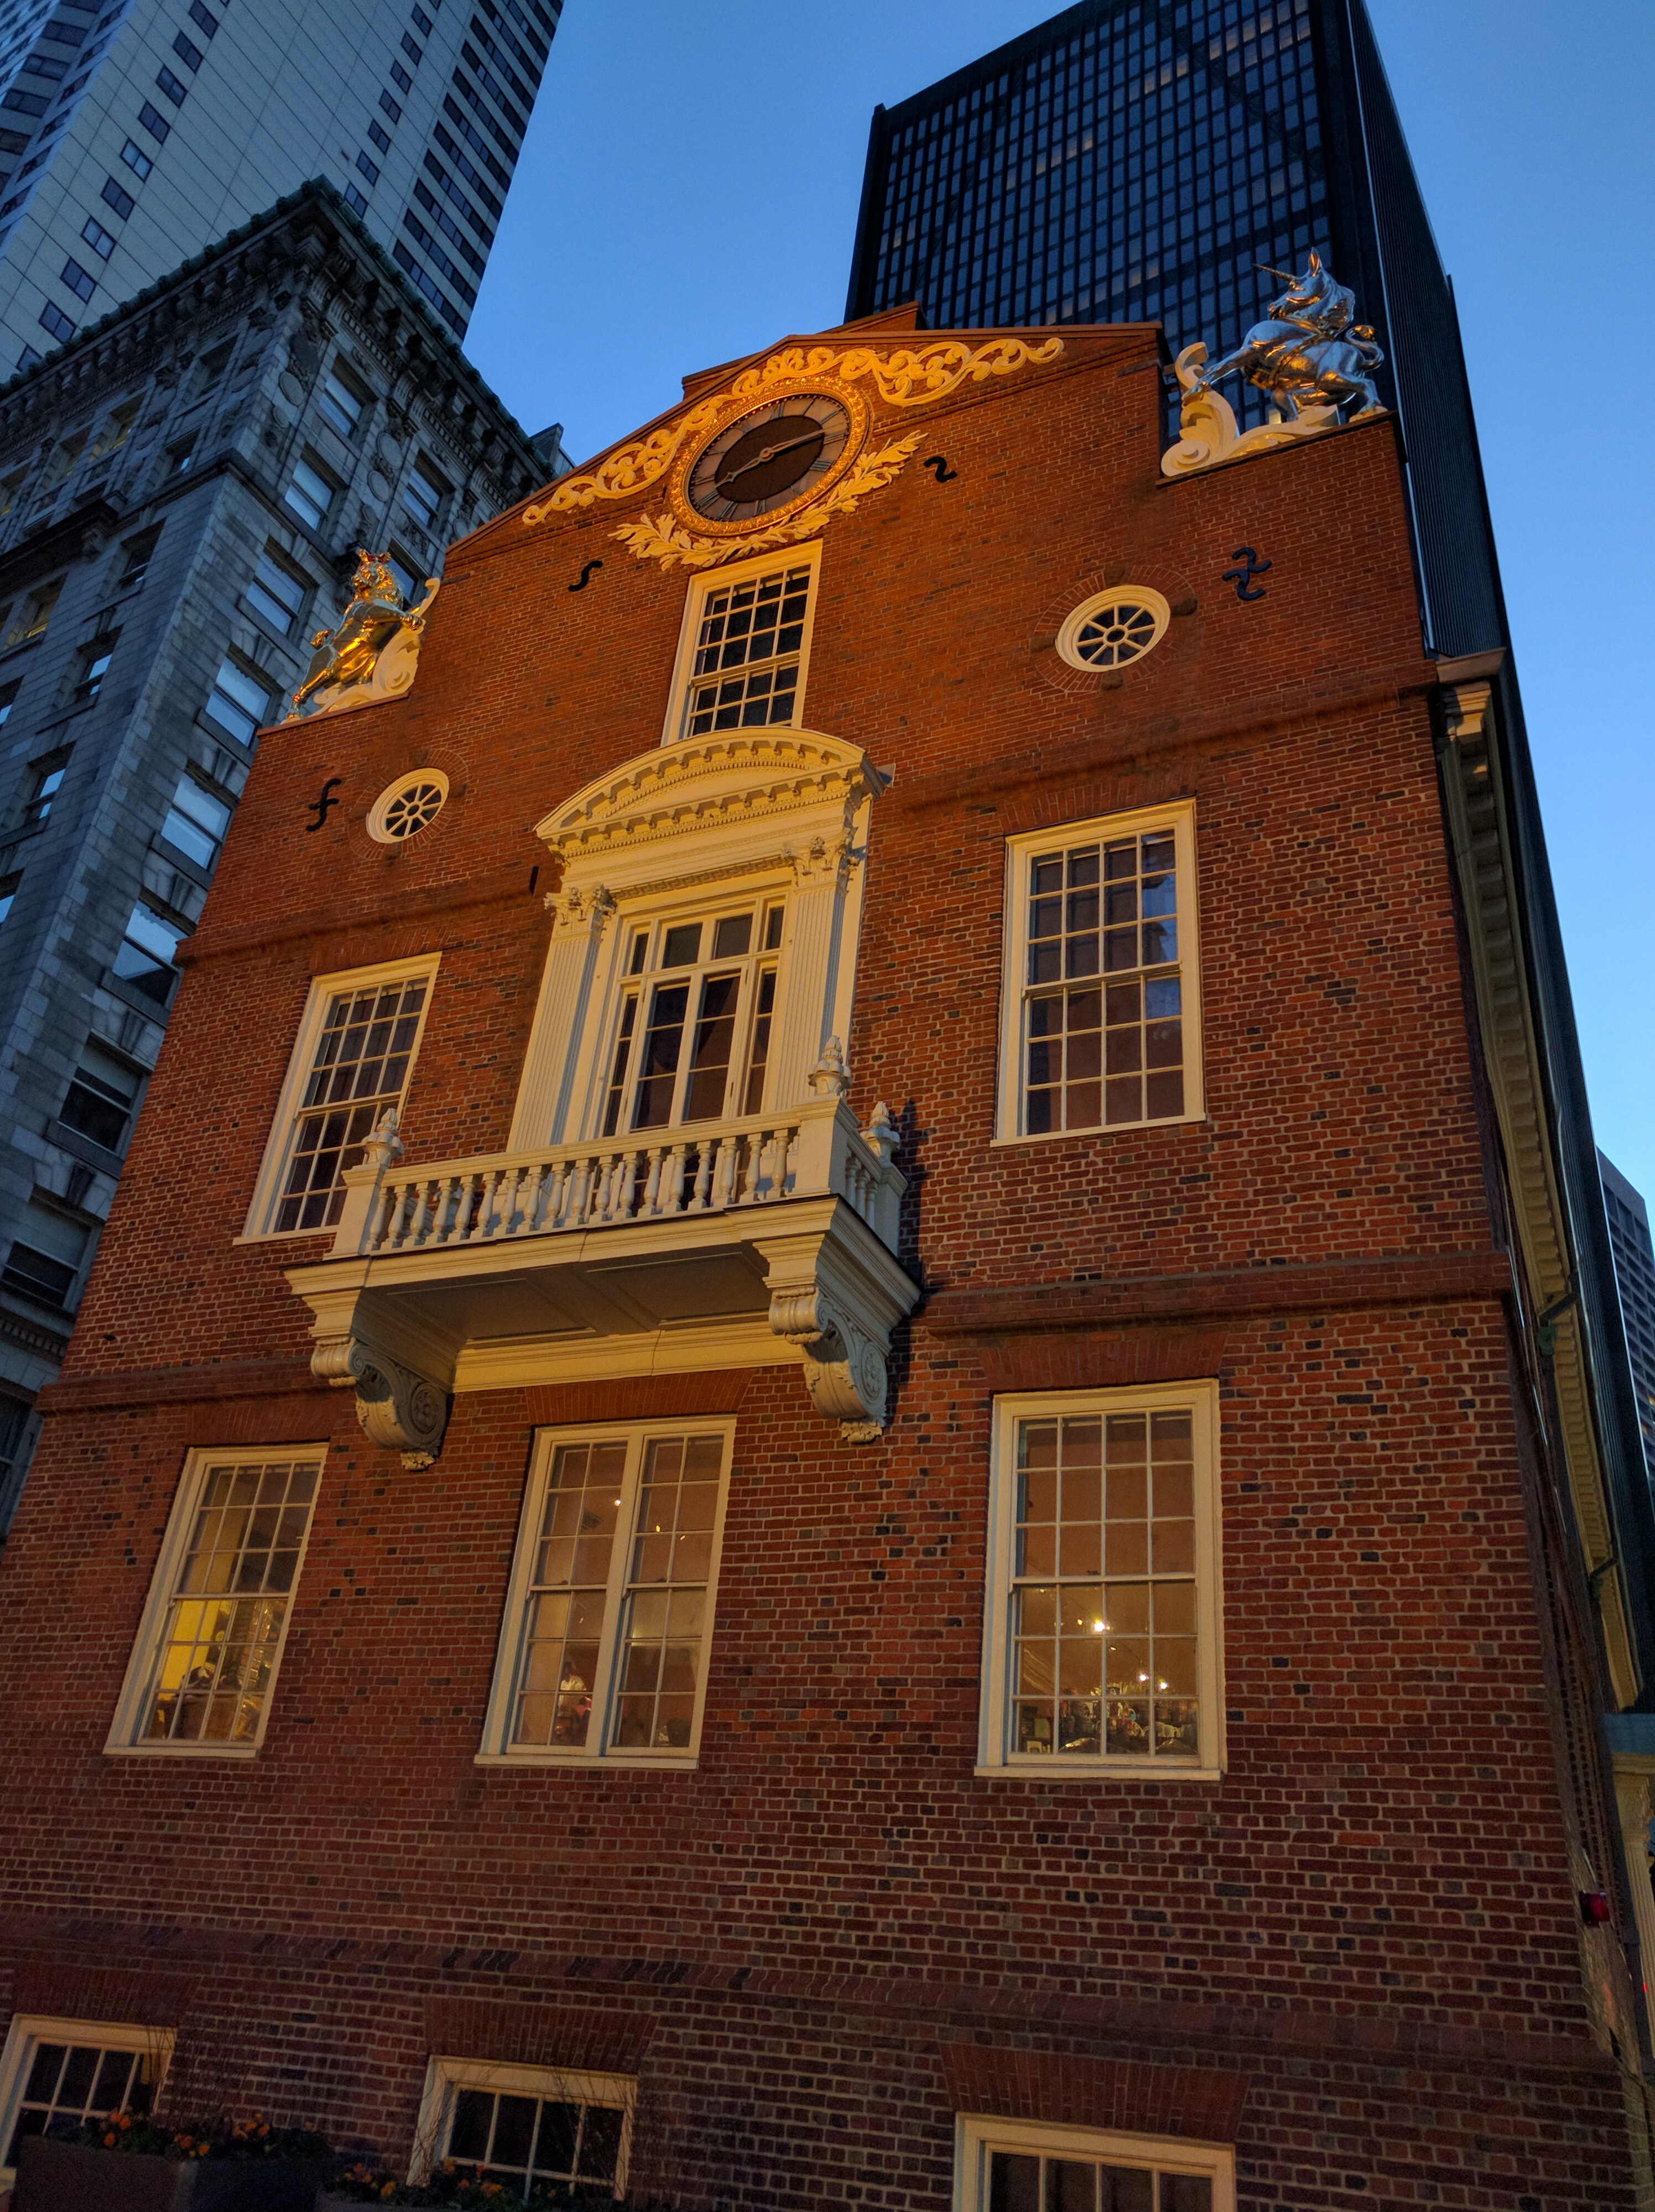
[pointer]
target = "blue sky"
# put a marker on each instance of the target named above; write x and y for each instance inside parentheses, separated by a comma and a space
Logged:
(688, 191)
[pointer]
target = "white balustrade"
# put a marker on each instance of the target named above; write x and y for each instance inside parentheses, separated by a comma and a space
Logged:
(816, 1150)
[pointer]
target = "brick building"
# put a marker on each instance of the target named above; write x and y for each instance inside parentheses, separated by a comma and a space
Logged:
(932, 1526)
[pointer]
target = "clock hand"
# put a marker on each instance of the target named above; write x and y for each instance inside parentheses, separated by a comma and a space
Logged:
(769, 453)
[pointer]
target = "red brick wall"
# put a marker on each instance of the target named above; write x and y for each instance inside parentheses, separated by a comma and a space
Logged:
(1370, 1927)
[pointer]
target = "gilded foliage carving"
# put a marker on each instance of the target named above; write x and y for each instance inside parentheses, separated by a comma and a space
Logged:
(663, 539)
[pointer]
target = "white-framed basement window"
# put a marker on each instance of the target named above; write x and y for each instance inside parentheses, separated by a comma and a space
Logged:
(1103, 1624)
(609, 1611)
(1100, 998)
(54, 2074)
(358, 1039)
(743, 652)
(1022, 2166)
(532, 2129)
(208, 1647)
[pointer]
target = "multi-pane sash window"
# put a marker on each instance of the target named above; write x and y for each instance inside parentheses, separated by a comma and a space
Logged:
(547, 2133)
(693, 1031)
(1018, 2166)
(604, 1651)
(360, 1067)
(206, 1657)
(1103, 1015)
(745, 668)
(60, 2074)
(1101, 1648)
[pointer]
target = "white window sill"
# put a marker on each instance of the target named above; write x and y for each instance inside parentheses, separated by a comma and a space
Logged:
(1103, 1129)
(591, 1762)
(1097, 1769)
(233, 1751)
(278, 1236)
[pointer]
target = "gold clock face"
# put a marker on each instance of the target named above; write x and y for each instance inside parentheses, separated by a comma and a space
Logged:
(774, 456)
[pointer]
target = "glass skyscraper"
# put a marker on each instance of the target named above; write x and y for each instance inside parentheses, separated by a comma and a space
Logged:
(1130, 161)
(134, 135)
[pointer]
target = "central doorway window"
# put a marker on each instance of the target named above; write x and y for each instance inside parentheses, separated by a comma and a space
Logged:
(693, 1031)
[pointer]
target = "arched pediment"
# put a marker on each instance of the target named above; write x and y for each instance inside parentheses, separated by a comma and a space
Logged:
(739, 780)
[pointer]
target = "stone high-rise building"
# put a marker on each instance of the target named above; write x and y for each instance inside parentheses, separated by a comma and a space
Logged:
(133, 135)
(182, 492)
(834, 1445)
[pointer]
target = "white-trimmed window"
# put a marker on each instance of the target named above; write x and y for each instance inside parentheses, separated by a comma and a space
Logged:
(745, 646)
(205, 1664)
(692, 1030)
(1101, 1003)
(1021, 2165)
(1103, 1625)
(355, 1049)
(609, 1613)
(528, 2128)
(55, 2074)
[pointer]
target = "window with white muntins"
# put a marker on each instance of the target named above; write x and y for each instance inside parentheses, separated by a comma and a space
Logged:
(205, 1660)
(353, 1057)
(1101, 1003)
(609, 1612)
(56, 2074)
(745, 647)
(1102, 1629)
(534, 2128)
(1020, 2166)
(693, 1027)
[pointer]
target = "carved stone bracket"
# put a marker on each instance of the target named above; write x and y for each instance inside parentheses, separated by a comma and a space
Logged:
(838, 1297)
(399, 1410)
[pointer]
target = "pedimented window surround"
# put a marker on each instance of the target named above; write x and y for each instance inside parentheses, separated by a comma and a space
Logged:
(771, 814)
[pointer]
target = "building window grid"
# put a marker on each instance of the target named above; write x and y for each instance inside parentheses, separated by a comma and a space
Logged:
(1058, 138)
(615, 1611)
(749, 641)
(225, 1616)
(1102, 1023)
(359, 1068)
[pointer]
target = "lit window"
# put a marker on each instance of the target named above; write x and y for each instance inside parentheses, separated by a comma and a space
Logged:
(310, 495)
(746, 643)
(352, 1059)
(205, 1661)
(46, 1258)
(47, 780)
(1114, 629)
(56, 2073)
(609, 1612)
(196, 822)
(95, 666)
(34, 614)
(1101, 1612)
(1101, 1024)
(1016, 2165)
(10, 487)
(99, 1100)
(341, 403)
(144, 958)
(238, 702)
(540, 2131)
(406, 807)
(277, 594)
(423, 495)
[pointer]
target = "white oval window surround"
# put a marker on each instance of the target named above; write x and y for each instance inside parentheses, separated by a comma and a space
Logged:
(406, 807)
(1114, 628)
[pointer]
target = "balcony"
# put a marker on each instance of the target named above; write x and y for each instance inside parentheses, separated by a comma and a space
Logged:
(766, 1240)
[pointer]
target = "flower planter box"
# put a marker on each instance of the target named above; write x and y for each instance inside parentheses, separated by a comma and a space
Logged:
(61, 2176)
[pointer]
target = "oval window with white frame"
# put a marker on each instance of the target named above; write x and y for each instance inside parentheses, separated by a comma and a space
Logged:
(1113, 629)
(406, 807)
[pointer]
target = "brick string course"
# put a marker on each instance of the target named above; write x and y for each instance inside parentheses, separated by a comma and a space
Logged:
(1359, 1956)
